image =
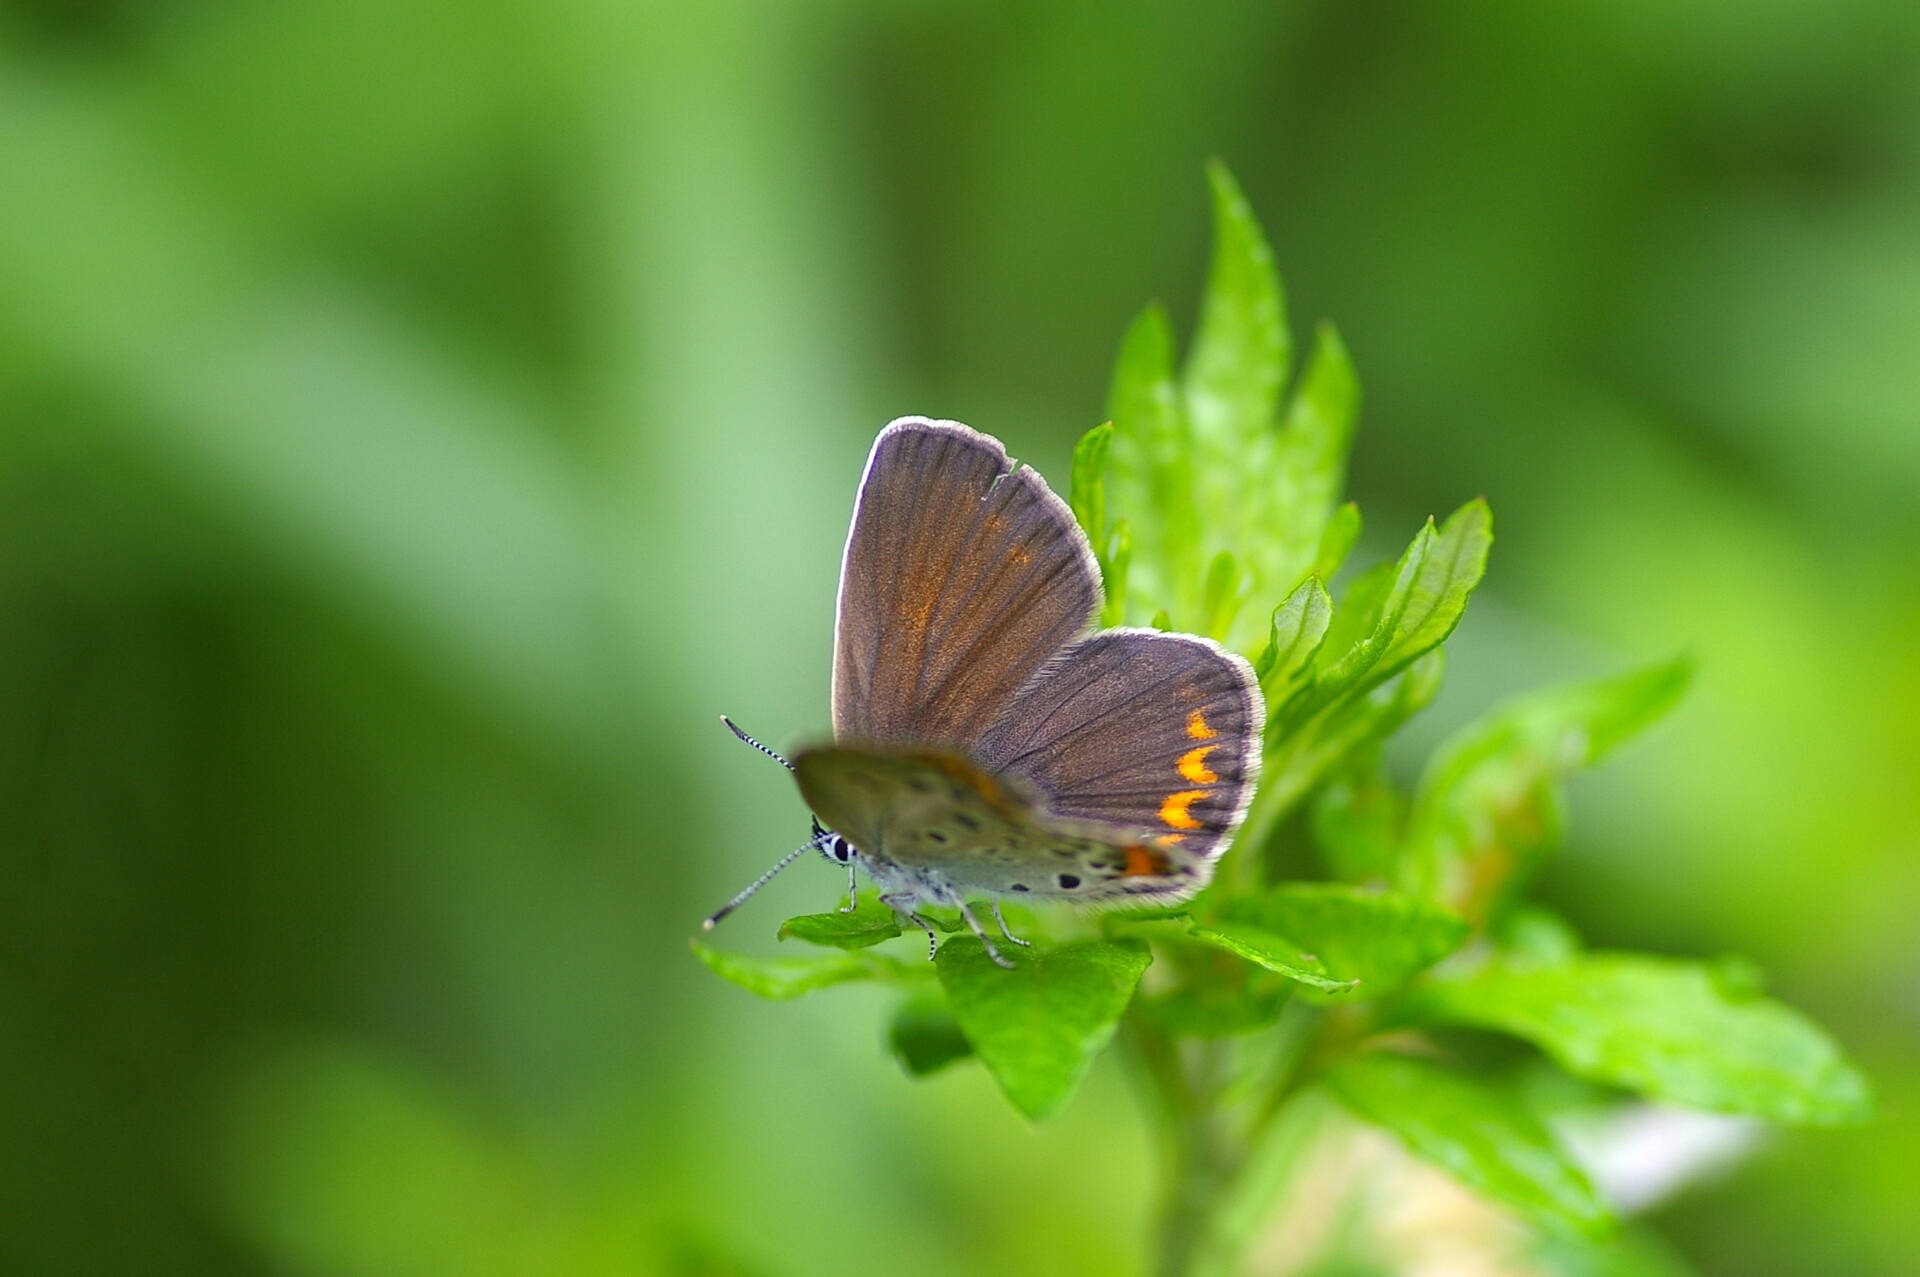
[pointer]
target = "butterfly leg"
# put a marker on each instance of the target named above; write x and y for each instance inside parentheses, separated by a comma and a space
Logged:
(902, 902)
(1003, 927)
(853, 885)
(973, 924)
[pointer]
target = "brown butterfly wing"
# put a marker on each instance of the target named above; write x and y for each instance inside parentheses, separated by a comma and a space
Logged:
(963, 576)
(1142, 731)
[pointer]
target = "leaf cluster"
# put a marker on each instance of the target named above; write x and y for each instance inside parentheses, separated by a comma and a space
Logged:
(1212, 497)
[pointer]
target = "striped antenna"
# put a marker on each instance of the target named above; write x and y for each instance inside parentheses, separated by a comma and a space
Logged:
(756, 744)
(812, 844)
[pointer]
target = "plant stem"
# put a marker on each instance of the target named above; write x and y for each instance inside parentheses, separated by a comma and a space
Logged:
(1202, 1161)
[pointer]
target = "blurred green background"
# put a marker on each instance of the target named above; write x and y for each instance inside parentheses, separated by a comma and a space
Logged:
(418, 421)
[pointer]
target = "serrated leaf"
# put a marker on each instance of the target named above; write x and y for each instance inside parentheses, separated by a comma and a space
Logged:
(1241, 348)
(1378, 939)
(782, 979)
(1485, 1138)
(1038, 1026)
(1298, 627)
(1149, 469)
(1437, 597)
(1288, 507)
(870, 923)
(1390, 618)
(1276, 953)
(925, 1037)
(1667, 1029)
(1303, 756)
(1364, 626)
(1487, 810)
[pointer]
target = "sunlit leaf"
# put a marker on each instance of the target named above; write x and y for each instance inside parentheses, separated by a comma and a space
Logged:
(1378, 939)
(1488, 808)
(1299, 625)
(1437, 595)
(1241, 348)
(869, 924)
(1087, 491)
(781, 979)
(1276, 953)
(1336, 541)
(1668, 1029)
(1485, 1138)
(1118, 565)
(1290, 506)
(1220, 597)
(1149, 469)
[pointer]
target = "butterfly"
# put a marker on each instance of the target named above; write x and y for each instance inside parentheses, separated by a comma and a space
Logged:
(987, 741)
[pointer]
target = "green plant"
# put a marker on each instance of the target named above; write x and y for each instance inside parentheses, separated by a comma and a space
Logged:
(1210, 495)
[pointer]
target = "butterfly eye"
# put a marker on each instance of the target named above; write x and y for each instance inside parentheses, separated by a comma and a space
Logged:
(840, 849)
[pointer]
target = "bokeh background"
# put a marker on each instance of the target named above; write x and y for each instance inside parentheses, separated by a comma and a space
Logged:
(419, 420)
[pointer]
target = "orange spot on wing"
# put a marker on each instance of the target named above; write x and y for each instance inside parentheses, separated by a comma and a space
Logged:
(1197, 727)
(1142, 861)
(1167, 840)
(1174, 810)
(1193, 765)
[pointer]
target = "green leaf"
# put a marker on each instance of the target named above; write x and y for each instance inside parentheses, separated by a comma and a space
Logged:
(1487, 811)
(1221, 597)
(1358, 819)
(1533, 933)
(1484, 1137)
(1361, 606)
(1668, 1029)
(1379, 940)
(869, 924)
(1437, 597)
(1218, 1008)
(1289, 512)
(1364, 626)
(1038, 1026)
(925, 1037)
(1336, 541)
(1298, 627)
(1635, 1252)
(1276, 953)
(1087, 491)
(784, 978)
(1118, 563)
(1149, 468)
(1300, 759)
(1241, 348)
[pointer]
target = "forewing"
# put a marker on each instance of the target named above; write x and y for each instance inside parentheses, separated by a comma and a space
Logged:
(962, 577)
(921, 808)
(1141, 731)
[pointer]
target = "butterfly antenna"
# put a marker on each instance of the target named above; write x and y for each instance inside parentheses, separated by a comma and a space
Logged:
(756, 744)
(812, 844)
